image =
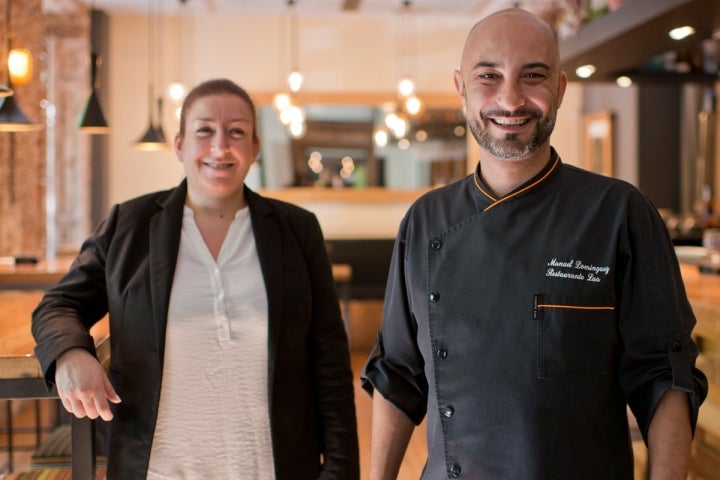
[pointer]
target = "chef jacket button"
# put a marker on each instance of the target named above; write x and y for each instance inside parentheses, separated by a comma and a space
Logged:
(454, 471)
(436, 244)
(676, 346)
(442, 353)
(448, 411)
(434, 297)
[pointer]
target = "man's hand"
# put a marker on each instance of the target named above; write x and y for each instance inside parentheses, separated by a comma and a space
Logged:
(83, 386)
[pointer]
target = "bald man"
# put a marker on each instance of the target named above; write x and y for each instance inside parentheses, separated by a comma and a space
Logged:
(529, 303)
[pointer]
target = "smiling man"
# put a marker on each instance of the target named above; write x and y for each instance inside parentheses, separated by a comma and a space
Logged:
(529, 303)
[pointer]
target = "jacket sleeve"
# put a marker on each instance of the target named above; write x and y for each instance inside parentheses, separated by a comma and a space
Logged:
(63, 317)
(395, 367)
(655, 319)
(333, 374)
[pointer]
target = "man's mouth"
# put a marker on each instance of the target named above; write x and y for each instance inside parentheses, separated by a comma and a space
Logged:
(509, 122)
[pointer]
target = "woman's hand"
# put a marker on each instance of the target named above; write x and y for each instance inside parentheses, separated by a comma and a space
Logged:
(83, 386)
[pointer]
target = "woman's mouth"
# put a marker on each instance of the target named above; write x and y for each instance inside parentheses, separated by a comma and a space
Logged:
(218, 165)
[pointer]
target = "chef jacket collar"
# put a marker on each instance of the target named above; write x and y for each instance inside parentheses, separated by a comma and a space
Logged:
(491, 201)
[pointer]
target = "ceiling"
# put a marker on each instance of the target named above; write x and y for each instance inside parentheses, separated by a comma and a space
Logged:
(624, 42)
(638, 30)
(476, 8)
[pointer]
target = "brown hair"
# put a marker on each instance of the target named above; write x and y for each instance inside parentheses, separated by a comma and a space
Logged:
(218, 86)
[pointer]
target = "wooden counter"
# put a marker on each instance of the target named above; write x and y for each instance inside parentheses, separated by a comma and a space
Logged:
(37, 276)
(352, 213)
(17, 358)
(704, 293)
(21, 377)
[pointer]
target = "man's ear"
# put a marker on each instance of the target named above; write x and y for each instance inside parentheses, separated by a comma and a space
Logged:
(460, 86)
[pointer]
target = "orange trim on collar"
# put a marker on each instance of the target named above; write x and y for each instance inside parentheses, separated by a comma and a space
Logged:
(497, 202)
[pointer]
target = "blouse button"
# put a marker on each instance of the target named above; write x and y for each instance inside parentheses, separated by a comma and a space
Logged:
(448, 412)
(436, 245)
(442, 354)
(434, 297)
(454, 471)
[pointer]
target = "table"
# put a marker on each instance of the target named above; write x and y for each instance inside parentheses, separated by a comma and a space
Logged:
(342, 274)
(703, 290)
(21, 376)
(37, 276)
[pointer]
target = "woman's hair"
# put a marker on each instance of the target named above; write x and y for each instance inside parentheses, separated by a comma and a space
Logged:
(218, 86)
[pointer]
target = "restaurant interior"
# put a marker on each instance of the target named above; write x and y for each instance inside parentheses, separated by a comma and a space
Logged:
(358, 117)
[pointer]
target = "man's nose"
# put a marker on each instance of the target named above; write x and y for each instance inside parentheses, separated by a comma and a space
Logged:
(511, 96)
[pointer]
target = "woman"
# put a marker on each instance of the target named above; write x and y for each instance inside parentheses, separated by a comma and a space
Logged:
(229, 356)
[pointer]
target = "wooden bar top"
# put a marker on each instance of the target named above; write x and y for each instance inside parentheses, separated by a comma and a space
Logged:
(703, 290)
(36, 276)
(17, 357)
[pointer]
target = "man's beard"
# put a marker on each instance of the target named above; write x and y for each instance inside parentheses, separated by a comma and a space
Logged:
(511, 147)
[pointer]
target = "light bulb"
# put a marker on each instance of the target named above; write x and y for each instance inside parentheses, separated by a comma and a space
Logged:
(406, 87)
(297, 129)
(295, 80)
(281, 101)
(413, 105)
(381, 138)
(20, 66)
(176, 91)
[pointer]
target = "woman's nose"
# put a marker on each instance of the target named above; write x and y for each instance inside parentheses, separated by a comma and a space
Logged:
(219, 145)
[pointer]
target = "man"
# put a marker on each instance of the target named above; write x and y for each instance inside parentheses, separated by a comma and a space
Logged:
(528, 304)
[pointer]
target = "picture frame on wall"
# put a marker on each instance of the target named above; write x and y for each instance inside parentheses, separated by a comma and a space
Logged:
(598, 144)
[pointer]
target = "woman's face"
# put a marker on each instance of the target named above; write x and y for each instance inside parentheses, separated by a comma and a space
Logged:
(217, 148)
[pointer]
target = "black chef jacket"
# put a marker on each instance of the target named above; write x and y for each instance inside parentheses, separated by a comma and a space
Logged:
(524, 326)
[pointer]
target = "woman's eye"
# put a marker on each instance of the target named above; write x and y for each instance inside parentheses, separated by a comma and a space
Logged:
(237, 133)
(203, 131)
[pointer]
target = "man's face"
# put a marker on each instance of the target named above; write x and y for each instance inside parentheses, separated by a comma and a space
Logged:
(510, 85)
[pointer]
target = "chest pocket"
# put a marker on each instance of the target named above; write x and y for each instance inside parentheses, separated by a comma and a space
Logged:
(576, 335)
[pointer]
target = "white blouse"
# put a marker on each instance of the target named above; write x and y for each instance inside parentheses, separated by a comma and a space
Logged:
(213, 419)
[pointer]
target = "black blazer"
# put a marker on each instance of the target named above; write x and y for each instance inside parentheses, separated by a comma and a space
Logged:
(126, 269)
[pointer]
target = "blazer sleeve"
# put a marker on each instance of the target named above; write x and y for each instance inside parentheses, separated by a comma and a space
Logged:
(333, 374)
(66, 312)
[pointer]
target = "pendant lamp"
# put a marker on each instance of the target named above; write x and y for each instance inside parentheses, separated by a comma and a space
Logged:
(153, 139)
(93, 120)
(12, 118)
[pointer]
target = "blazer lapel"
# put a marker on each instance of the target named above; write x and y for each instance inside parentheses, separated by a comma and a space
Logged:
(268, 241)
(164, 243)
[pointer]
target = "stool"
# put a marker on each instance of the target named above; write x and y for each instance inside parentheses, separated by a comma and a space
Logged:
(50, 474)
(55, 452)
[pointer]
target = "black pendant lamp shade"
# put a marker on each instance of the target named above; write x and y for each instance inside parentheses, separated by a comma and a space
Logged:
(153, 139)
(92, 119)
(12, 118)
